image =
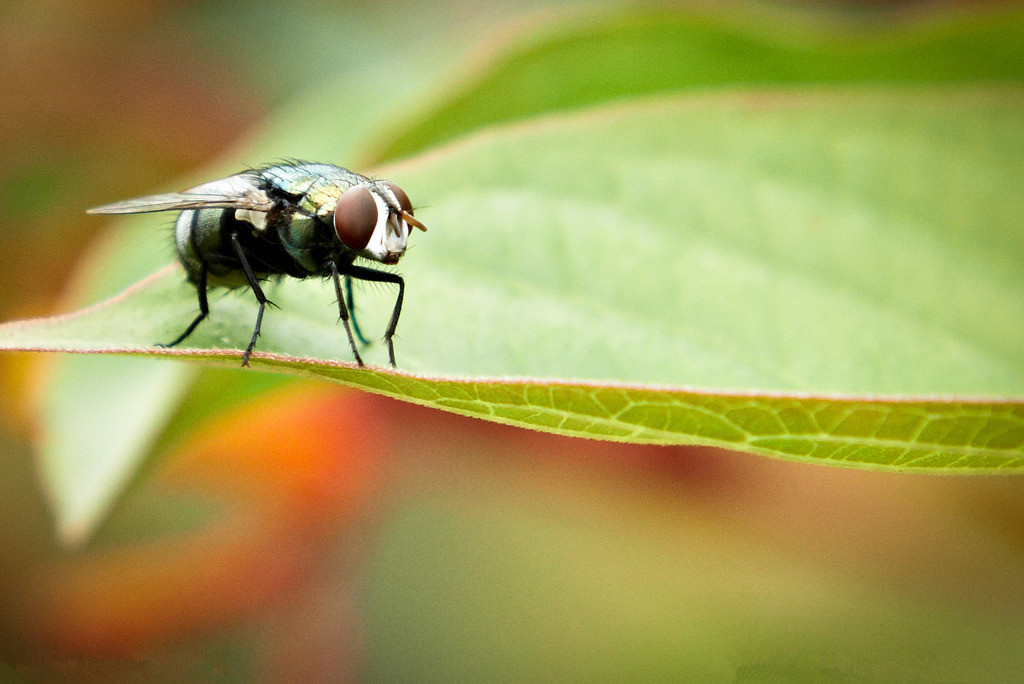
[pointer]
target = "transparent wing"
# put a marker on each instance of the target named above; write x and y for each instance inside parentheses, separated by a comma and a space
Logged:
(179, 202)
(241, 191)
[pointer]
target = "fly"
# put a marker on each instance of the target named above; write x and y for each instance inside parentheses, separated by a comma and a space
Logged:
(297, 219)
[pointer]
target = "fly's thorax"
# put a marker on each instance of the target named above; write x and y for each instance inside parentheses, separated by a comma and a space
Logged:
(303, 237)
(315, 185)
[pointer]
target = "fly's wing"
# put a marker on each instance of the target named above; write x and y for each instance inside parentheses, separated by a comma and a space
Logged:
(179, 201)
(241, 191)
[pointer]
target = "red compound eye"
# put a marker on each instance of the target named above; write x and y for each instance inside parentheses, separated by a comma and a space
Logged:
(355, 217)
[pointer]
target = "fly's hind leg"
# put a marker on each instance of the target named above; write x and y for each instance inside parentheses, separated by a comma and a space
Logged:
(256, 290)
(204, 309)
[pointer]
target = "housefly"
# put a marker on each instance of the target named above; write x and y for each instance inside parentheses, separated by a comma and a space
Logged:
(295, 219)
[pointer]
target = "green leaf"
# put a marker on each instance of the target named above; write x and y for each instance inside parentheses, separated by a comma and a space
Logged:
(611, 55)
(578, 60)
(822, 276)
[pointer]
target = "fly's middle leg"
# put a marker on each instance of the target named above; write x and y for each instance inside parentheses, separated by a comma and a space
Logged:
(352, 311)
(254, 285)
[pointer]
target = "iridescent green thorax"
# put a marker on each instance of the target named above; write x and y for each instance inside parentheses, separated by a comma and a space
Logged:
(313, 191)
(314, 188)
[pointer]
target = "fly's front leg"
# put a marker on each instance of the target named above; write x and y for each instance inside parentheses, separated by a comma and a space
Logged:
(204, 309)
(363, 273)
(343, 311)
(256, 290)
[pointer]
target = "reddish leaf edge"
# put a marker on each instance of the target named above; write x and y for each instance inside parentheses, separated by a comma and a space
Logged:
(908, 433)
(279, 360)
(274, 360)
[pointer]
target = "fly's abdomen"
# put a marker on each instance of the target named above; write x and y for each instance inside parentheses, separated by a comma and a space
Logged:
(198, 237)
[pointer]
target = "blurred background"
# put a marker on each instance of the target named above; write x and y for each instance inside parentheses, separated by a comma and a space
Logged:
(319, 534)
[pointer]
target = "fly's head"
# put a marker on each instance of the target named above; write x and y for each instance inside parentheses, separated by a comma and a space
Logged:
(373, 220)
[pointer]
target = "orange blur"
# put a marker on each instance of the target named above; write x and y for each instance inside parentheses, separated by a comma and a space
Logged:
(284, 473)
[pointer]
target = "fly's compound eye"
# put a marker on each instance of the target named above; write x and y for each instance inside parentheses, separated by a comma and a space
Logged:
(355, 217)
(403, 199)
